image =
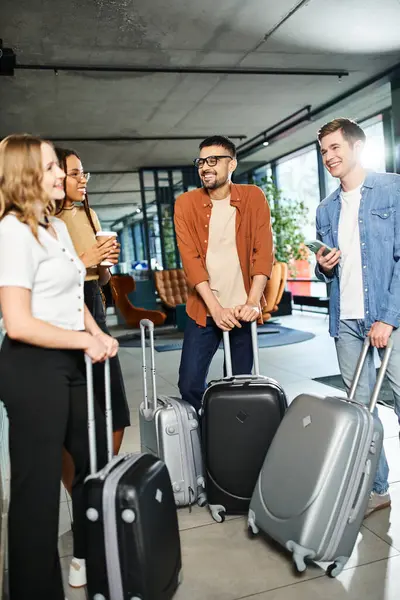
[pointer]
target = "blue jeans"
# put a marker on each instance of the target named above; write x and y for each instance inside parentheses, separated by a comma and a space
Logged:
(352, 334)
(199, 346)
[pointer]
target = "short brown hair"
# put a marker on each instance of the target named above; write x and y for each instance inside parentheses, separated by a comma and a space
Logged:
(351, 131)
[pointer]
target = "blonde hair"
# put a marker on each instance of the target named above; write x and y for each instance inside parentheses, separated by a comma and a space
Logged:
(21, 175)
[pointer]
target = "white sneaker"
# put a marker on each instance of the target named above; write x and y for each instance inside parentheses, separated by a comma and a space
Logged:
(77, 573)
(377, 502)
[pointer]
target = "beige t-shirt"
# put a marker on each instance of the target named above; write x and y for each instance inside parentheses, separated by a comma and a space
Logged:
(81, 233)
(222, 261)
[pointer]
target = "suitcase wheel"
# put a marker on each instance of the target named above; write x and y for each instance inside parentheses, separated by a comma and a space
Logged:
(337, 567)
(218, 512)
(300, 555)
(330, 570)
(202, 500)
(252, 528)
(252, 531)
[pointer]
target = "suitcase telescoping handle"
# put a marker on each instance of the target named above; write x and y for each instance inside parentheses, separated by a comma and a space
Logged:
(91, 415)
(148, 411)
(381, 374)
(227, 349)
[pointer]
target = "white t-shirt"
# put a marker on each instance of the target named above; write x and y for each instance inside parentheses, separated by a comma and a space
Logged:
(350, 268)
(51, 270)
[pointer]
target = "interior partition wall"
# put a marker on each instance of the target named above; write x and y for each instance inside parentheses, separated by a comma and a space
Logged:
(148, 236)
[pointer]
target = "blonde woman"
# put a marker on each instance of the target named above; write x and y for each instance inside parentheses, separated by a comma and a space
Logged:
(42, 377)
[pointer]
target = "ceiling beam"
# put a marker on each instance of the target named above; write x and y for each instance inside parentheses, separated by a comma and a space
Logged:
(262, 138)
(183, 70)
(130, 205)
(151, 138)
(274, 133)
(115, 192)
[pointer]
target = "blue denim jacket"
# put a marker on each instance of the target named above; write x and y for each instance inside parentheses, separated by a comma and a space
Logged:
(379, 223)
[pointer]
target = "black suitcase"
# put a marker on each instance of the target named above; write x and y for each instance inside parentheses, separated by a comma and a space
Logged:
(133, 544)
(240, 415)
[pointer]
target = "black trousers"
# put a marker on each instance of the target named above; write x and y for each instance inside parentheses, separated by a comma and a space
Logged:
(44, 392)
(120, 409)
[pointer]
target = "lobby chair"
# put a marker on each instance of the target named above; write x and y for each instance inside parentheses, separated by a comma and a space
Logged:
(274, 289)
(121, 286)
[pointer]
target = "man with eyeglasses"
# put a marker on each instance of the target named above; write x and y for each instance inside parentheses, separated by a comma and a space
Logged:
(225, 241)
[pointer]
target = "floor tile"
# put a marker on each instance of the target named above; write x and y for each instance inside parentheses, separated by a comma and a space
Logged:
(220, 562)
(131, 440)
(386, 523)
(64, 519)
(368, 548)
(308, 386)
(197, 517)
(65, 545)
(389, 421)
(392, 451)
(376, 581)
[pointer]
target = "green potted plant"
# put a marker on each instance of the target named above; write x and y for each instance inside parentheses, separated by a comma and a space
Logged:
(288, 218)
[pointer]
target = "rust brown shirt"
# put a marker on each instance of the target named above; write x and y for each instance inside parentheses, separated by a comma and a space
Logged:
(253, 239)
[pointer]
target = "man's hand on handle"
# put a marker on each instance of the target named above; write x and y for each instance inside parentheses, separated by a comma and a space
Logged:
(247, 312)
(225, 318)
(379, 334)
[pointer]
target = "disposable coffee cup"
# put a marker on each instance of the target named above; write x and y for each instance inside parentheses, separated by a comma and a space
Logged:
(106, 234)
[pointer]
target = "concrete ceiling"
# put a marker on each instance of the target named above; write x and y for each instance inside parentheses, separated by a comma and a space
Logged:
(228, 33)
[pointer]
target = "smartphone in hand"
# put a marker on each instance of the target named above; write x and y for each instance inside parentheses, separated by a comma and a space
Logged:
(315, 245)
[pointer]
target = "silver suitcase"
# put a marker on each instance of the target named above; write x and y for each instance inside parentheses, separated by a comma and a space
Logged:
(169, 429)
(314, 486)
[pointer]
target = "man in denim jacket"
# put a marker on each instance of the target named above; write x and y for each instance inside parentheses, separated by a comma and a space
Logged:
(360, 221)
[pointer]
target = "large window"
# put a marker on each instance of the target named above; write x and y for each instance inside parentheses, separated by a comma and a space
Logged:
(297, 178)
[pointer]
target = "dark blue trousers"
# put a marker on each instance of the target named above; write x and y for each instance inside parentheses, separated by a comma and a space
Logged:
(199, 346)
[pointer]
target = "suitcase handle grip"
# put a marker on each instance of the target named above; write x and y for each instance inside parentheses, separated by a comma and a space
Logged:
(362, 492)
(254, 343)
(91, 413)
(381, 374)
(147, 409)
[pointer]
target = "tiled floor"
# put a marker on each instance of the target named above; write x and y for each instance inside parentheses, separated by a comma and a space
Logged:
(220, 562)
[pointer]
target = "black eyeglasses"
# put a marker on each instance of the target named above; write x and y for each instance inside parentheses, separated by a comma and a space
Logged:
(210, 160)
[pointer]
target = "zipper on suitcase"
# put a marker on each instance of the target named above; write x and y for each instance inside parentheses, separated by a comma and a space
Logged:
(184, 434)
(114, 574)
(345, 511)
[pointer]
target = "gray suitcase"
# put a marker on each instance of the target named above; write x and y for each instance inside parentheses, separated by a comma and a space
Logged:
(169, 429)
(314, 486)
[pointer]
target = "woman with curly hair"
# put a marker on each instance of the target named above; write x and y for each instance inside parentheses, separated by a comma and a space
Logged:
(42, 371)
(83, 224)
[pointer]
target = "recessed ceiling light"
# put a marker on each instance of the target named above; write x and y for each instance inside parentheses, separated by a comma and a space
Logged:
(265, 143)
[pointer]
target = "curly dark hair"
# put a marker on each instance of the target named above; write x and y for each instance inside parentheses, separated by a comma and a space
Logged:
(62, 155)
